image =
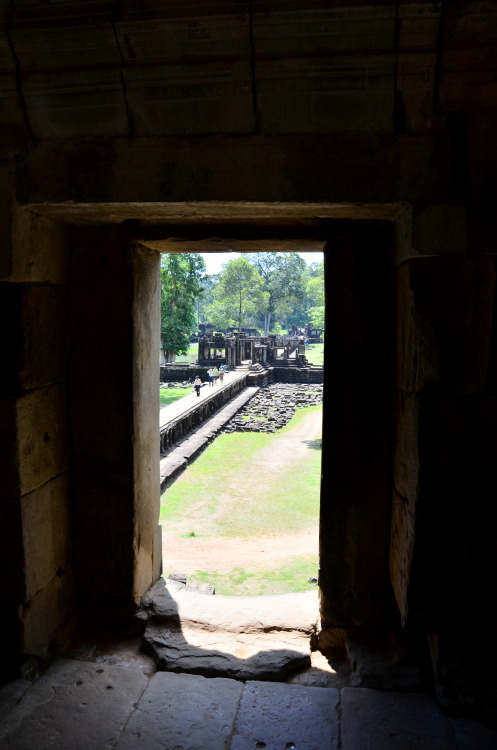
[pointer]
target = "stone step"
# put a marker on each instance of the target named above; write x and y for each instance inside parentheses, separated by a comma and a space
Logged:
(243, 638)
(169, 601)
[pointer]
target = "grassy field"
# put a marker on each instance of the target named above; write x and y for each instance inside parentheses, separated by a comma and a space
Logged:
(292, 577)
(170, 395)
(315, 354)
(191, 356)
(221, 496)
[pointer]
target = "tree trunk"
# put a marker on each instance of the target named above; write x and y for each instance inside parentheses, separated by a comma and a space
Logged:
(267, 322)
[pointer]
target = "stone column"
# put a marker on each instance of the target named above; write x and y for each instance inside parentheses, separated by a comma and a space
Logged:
(443, 541)
(357, 475)
(114, 403)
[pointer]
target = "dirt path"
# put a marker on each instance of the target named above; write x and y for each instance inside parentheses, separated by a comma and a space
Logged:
(187, 554)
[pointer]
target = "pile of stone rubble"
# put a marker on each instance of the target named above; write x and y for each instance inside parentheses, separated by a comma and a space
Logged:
(273, 407)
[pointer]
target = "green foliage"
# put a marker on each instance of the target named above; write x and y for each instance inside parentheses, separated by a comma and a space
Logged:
(293, 293)
(181, 275)
(316, 316)
(238, 296)
(283, 282)
(206, 299)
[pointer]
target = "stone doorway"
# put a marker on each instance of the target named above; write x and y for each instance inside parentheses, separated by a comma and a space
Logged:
(267, 549)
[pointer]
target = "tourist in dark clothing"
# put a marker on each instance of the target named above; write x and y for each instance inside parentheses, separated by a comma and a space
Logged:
(210, 376)
(197, 383)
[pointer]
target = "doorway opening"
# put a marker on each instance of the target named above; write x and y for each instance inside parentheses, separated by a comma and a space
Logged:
(243, 517)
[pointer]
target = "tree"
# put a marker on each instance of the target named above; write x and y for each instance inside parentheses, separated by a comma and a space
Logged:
(238, 295)
(181, 276)
(206, 299)
(283, 282)
(315, 294)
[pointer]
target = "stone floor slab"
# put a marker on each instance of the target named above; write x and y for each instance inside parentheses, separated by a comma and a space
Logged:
(274, 716)
(381, 720)
(473, 735)
(241, 656)
(183, 712)
(74, 706)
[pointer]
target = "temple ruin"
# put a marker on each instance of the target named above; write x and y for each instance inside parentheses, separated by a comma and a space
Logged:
(238, 349)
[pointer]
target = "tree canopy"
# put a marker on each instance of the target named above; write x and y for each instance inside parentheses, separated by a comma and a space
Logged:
(282, 275)
(271, 292)
(181, 286)
(238, 296)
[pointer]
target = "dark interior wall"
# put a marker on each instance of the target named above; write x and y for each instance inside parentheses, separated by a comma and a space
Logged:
(302, 101)
(357, 432)
(113, 407)
(37, 609)
(101, 411)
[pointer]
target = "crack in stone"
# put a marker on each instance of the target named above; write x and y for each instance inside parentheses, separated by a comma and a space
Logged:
(17, 66)
(129, 113)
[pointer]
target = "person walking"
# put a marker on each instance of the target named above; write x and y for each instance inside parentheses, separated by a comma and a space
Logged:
(221, 374)
(197, 384)
(210, 376)
(215, 374)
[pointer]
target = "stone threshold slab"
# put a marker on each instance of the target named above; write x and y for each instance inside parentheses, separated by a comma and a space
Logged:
(172, 602)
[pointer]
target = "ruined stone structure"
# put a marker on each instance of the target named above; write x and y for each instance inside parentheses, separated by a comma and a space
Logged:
(367, 129)
(234, 350)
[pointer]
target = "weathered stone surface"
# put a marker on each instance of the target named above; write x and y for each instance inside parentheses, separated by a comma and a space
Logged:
(240, 614)
(397, 668)
(38, 250)
(303, 89)
(290, 717)
(241, 656)
(33, 429)
(440, 230)
(46, 524)
(436, 345)
(380, 720)
(10, 694)
(74, 705)
(184, 712)
(454, 544)
(49, 616)
(34, 335)
(356, 168)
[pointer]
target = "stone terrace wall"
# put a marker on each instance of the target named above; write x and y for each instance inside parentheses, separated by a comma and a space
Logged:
(172, 432)
(262, 377)
(180, 427)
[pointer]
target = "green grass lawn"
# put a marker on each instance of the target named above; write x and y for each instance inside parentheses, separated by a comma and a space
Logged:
(191, 356)
(170, 395)
(293, 577)
(221, 495)
(315, 354)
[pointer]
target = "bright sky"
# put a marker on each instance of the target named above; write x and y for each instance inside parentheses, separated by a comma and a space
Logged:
(214, 261)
